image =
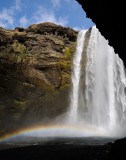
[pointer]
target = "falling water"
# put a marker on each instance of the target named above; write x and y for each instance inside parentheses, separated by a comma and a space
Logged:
(76, 75)
(101, 101)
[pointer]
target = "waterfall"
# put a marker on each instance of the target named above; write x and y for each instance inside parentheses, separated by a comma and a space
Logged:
(74, 97)
(98, 95)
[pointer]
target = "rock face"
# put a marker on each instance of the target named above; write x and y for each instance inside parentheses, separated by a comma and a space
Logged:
(35, 67)
(117, 150)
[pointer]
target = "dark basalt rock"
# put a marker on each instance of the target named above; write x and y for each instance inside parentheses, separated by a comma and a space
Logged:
(109, 17)
(19, 29)
(54, 150)
(118, 150)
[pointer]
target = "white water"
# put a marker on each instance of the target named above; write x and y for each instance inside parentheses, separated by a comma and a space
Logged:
(101, 100)
(76, 75)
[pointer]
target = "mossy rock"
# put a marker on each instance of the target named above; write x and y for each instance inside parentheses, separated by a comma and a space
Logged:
(67, 58)
(20, 103)
(18, 47)
(68, 52)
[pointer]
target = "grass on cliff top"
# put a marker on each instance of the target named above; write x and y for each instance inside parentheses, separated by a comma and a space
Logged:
(10, 33)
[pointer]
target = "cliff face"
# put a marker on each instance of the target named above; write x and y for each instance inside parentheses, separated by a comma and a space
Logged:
(35, 67)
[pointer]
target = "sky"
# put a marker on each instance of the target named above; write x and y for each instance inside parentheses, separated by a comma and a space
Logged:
(23, 13)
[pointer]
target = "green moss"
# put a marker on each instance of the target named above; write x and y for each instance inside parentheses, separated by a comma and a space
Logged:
(64, 64)
(66, 60)
(41, 84)
(17, 56)
(65, 86)
(20, 51)
(20, 103)
(68, 52)
(18, 47)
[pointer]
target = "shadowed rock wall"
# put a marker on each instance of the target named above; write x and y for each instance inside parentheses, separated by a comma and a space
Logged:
(109, 17)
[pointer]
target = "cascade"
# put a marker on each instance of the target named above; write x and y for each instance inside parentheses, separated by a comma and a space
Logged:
(76, 75)
(97, 95)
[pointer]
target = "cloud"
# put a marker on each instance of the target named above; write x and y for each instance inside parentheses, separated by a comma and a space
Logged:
(23, 21)
(79, 28)
(55, 3)
(18, 5)
(7, 15)
(2, 24)
(62, 21)
(46, 15)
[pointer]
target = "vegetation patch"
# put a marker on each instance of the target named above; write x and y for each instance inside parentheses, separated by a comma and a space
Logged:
(18, 47)
(66, 60)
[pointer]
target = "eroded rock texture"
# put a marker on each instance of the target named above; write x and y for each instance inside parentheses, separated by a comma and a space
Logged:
(35, 67)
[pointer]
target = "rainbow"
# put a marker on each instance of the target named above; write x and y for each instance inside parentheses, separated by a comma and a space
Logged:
(57, 130)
